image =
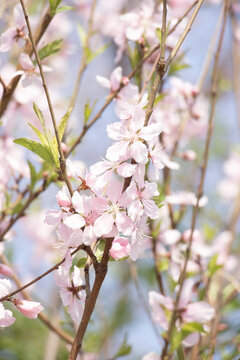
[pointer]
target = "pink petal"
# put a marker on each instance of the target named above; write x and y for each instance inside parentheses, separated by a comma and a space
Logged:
(103, 81)
(126, 169)
(116, 78)
(30, 309)
(139, 152)
(6, 318)
(74, 221)
(200, 312)
(103, 225)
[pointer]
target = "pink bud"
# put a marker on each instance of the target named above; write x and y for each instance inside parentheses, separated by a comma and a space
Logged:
(63, 200)
(125, 80)
(64, 147)
(5, 270)
(120, 248)
(30, 309)
(188, 155)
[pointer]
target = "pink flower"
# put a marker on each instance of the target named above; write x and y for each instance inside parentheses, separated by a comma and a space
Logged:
(186, 198)
(105, 170)
(141, 200)
(71, 288)
(114, 82)
(29, 71)
(151, 356)
(200, 311)
(112, 209)
(120, 248)
(76, 221)
(139, 238)
(6, 270)
(30, 309)
(6, 318)
(16, 33)
(64, 198)
(131, 138)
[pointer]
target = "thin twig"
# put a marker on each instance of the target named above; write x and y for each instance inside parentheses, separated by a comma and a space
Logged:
(61, 155)
(42, 316)
(214, 85)
(55, 267)
(83, 63)
(134, 274)
(91, 301)
(160, 66)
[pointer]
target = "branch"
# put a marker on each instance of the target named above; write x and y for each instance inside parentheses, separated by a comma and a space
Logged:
(101, 272)
(214, 84)
(55, 267)
(61, 156)
(83, 63)
(42, 316)
(160, 66)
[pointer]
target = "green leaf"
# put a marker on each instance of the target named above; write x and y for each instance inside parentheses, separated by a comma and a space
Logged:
(64, 8)
(213, 266)
(100, 249)
(17, 208)
(37, 148)
(91, 55)
(50, 49)
(39, 114)
(82, 34)
(159, 34)
(40, 135)
(159, 97)
(124, 349)
(81, 262)
(63, 122)
(163, 264)
(33, 175)
(53, 149)
(54, 5)
(189, 328)
(88, 110)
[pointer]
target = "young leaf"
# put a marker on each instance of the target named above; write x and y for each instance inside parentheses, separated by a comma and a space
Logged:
(87, 111)
(40, 135)
(124, 349)
(50, 49)
(63, 122)
(82, 34)
(213, 266)
(81, 262)
(91, 55)
(39, 114)
(189, 328)
(54, 5)
(64, 8)
(37, 148)
(33, 175)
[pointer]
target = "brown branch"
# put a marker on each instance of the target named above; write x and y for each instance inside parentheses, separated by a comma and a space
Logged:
(83, 63)
(61, 155)
(214, 84)
(10, 88)
(101, 272)
(55, 267)
(160, 66)
(42, 316)
(134, 274)
(32, 197)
